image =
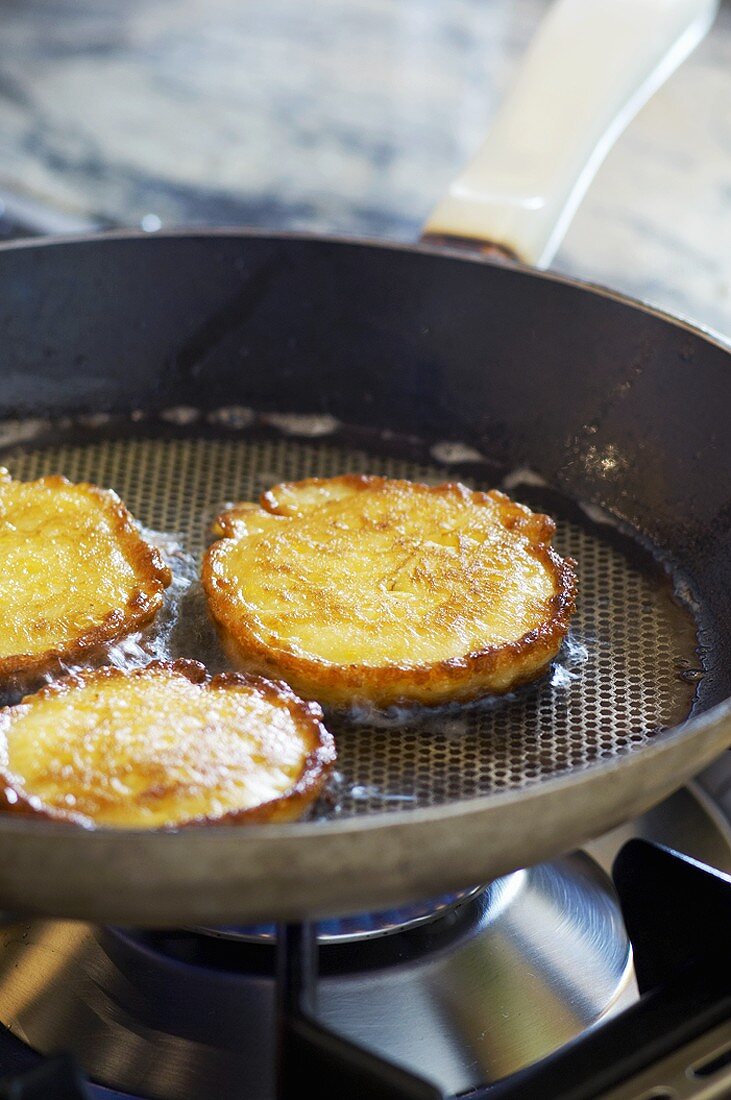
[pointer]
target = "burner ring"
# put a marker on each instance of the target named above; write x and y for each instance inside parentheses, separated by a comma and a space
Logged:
(362, 926)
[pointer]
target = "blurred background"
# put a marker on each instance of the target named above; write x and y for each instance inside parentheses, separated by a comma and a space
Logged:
(345, 116)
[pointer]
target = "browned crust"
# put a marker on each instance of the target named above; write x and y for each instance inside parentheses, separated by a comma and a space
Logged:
(288, 807)
(142, 606)
(493, 670)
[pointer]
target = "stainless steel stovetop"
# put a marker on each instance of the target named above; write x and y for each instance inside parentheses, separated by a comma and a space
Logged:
(462, 991)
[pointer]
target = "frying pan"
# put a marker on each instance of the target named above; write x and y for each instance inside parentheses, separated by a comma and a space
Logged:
(185, 369)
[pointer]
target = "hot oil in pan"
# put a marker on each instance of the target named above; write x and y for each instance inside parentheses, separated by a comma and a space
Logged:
(628, 670)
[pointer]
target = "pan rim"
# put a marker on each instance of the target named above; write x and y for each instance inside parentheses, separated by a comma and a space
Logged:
(667, 739)
(453, 252)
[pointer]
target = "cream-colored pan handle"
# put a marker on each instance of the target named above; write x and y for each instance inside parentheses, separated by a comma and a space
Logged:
(591, 66)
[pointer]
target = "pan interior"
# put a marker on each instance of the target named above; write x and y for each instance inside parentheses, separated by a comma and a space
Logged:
(627, 672)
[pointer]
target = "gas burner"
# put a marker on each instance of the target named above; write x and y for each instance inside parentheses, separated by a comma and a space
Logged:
(355, 929)
(470, 992)
(463, 991)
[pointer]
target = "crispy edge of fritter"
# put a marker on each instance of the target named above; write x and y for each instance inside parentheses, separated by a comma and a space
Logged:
(317, 763)
(22, 670)
(493, 670)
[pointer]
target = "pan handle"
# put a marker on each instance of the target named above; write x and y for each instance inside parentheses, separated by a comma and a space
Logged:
(591, 66)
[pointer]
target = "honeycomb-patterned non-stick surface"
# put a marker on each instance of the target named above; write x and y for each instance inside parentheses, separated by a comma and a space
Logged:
(623, 677)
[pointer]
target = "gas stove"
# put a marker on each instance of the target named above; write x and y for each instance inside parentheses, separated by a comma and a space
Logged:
(483, 991)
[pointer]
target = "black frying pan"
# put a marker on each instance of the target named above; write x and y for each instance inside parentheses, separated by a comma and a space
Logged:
(187, 369)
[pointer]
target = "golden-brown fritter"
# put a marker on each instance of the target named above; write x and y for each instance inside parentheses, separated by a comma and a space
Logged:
(364, 588)
(162, 746)
(75, 574)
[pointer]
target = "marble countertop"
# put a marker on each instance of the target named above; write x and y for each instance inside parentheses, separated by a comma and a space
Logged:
(347, 116)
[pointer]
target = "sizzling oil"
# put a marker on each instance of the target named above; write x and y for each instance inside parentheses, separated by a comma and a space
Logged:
(630, 668)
